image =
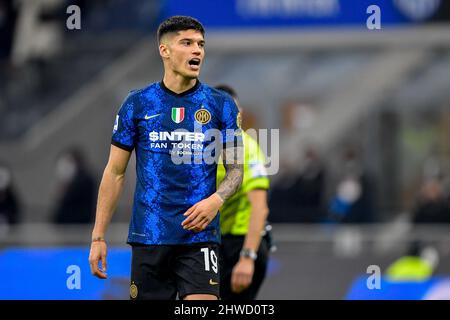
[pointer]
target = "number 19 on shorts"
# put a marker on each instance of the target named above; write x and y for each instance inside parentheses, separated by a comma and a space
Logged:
(210, 259)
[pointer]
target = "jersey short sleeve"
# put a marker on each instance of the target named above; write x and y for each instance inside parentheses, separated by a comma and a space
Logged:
(231, 127)
(124, 131)
(255, 173)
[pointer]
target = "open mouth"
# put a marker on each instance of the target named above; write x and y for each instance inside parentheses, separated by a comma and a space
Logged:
(194, 62)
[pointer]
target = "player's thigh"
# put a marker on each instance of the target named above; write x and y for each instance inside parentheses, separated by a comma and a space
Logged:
(197, 270)
(151, 278)
(200, 297)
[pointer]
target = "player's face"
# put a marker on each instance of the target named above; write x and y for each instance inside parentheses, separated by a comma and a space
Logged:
(185, 53)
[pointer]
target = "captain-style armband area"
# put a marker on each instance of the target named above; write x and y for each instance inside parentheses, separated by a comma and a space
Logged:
(98, 239)
(248, 253)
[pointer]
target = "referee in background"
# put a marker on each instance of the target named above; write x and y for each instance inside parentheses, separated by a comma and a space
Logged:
(245, 241)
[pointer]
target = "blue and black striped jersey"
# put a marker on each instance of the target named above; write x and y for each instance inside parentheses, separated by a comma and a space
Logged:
(176, 138)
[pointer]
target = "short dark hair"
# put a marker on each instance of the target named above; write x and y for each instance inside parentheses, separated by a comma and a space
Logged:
(227, 89)
(179, 23)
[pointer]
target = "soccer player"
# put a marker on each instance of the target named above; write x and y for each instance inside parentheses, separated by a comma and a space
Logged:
(174, 230)
(243, 216)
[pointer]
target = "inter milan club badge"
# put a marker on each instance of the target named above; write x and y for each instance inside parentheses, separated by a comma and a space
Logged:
(177, 114)
(133, 291)
(202, 116)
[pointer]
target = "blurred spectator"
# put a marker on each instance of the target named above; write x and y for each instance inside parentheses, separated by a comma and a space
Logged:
(433, 204)
(308, 189)
(281, 203)
(9, 205)
(300, 197)
(77, 188)
(352, 201)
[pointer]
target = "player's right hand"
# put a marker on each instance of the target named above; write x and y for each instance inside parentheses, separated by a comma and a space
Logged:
(200, 215)
(98, 253)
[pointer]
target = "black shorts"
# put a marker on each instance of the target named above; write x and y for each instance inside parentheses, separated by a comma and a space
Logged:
(160, 272)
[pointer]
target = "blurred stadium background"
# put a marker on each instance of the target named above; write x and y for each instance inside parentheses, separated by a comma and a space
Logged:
(364, 119)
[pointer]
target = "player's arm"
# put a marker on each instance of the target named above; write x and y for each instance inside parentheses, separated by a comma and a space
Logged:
(234, 168)
(203, 212)
(108, 195)
(243, 271)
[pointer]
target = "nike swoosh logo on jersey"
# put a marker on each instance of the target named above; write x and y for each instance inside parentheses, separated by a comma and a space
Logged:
(153, 116)
(211, 282)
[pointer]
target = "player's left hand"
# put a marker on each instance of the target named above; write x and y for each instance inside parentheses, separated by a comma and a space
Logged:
(242, 275)
(199, 216)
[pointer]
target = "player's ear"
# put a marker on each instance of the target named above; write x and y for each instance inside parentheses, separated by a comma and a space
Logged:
(164, 50)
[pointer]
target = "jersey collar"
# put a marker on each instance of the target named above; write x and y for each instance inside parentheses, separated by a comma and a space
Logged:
(182, 94)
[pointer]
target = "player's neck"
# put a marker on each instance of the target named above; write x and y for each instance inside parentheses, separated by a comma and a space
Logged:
(178, 84)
